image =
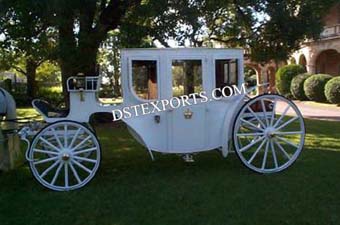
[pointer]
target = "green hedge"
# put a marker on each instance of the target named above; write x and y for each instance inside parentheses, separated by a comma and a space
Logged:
(296, 86)
(284, 77)
(332, 90)
(314, 87)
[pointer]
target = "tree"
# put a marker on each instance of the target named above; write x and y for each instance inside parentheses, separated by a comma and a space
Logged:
(83, 26)
(273, 29)
(270, 28)
(27, 40)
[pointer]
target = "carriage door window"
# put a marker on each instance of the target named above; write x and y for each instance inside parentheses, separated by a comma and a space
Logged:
(144, 78)
(186, 77)
(226, 73)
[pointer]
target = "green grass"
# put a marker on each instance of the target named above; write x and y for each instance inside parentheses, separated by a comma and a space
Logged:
(130, 189)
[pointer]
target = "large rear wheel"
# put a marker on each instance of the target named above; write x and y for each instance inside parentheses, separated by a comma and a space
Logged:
(268, 133)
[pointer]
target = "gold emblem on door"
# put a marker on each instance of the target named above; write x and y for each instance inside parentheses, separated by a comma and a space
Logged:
(188, 114)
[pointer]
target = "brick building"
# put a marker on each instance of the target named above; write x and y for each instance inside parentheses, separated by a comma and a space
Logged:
(323, 55)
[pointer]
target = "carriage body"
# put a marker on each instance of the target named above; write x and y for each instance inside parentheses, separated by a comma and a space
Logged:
(149, 75)
(267, 132)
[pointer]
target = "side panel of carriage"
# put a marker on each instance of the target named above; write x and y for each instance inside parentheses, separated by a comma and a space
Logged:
(191, 128)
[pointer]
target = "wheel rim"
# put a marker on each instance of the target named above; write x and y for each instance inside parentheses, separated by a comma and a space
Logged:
(269, 133)
(65, 156)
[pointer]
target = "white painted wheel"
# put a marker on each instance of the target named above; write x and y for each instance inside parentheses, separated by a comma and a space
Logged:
(64, 156)
(268, 133)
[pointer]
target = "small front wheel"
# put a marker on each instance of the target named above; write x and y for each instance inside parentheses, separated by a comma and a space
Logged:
(64, 156)
(268, 133)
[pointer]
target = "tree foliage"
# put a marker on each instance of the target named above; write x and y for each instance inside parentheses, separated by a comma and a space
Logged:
(268, 29)
(25, 37)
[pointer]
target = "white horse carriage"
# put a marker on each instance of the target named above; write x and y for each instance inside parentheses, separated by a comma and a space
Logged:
(266, 132)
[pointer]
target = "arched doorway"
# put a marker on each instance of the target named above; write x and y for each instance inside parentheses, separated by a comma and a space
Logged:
(328, 62)
(303, 61)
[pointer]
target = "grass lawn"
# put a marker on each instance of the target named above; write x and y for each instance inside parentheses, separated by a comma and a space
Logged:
(130, 189)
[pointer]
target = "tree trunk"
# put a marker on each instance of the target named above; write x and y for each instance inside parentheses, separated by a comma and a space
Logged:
(116, 74)
(67, 52)
(31, 72)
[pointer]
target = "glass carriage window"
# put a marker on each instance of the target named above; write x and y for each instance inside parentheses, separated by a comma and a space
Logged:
(226, 72)
(144, 78)
(186, 77)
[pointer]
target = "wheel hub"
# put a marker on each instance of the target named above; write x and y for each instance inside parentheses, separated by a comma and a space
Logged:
(269, 132)
(65, 157)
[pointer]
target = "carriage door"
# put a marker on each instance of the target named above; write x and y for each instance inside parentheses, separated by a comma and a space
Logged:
(187, 129)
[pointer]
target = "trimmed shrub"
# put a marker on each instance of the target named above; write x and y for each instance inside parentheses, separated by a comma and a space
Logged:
(332, 90)
(284, 77)
(314, 87)
(296, 86)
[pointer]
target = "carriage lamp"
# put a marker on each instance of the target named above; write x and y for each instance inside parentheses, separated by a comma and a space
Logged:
(188, 114)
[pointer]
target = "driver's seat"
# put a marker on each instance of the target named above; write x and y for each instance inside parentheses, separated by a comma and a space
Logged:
(48, 110)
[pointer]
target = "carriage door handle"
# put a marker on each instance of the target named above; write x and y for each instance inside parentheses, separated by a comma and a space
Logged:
(188, 114)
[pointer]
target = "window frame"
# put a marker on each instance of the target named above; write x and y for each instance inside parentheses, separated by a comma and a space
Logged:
(237, 62)
(172, 58)
(130, 80)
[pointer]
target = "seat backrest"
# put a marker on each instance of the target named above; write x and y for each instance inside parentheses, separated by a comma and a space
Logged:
(43, 106)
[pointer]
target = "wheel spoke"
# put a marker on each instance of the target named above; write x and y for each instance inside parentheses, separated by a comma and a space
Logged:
(264, 111)
(282, 150)
(254, 114)
(289, 133)
(56, 174)
(66, 174)
(56, 137)
(81, 143)
(287, 142)
(273, 113)
(257, 151)
(286, 123)
(265, 156)
(46, 160)
(65, 136)
(49, 169)
(249, 134)
(45, 151)
(74, 138)
(81, 166)
(251, 144)
(84, 151)
(274, 154)
(75, 172)
(251, 124)
(49, 144)
(282, 115)
(85, 159)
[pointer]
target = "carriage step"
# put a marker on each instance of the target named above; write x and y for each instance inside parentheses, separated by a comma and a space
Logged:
(189, 158)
